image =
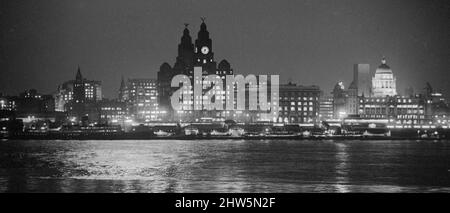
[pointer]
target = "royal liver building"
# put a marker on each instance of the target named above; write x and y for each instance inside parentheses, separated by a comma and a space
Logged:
(383, 83)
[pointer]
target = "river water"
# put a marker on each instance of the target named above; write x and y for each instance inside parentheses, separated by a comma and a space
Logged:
(225, 166)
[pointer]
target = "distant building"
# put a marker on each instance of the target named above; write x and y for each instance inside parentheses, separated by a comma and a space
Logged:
(339, 101)
(7, 103)
(91, 91)
(33, 109)
(298, 104)
(141, 98)
(190, 55)
(80, 99)
(352, 102)
(384, 81)
(325, 108)
(112, 112)
(31, 101)
(438, 108)
(361, 78)
(3, 103)
(395, 109)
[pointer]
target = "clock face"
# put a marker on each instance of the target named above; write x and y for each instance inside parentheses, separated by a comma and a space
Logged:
(205, 50)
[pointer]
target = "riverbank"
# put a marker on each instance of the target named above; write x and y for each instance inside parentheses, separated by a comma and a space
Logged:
(202, 137)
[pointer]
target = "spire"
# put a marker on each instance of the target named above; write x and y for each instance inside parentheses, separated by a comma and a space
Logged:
(203, 36)
(122, 83)
(186, 31)
(186, 39)
(79, 77)
(203, 25)
(185, 49)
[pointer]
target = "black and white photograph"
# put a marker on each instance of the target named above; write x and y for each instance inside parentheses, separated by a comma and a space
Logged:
(224, 97)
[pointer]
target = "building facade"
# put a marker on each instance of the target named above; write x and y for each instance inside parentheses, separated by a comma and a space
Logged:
(80, 99)
(141, 98)
(298, 104)
(91, 91)
(384, 81)
(326, 108)
(339, 101)
(112, 112)
(190, 55)
(395, 109)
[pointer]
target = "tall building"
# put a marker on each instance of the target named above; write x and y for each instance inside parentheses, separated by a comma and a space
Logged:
(80, 98)
(141, 98)
(361, 77)
(203, 51)
(339, 101)
(352, 99)
(112, 112)
(190, 55)
(87, 91)
(325, 108)
(437, 107)
(123, 91)
(384, 81)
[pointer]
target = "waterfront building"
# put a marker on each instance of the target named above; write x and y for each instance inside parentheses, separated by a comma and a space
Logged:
(31, 101)
(87, 91)
(384, 81)
(7, 103)
(113, 112)
(141, 98)
(298, 104)
(339, 101)
(352, 103)
(33, 109)
(190, 55)
(123, 91)
(438, 108)
(3, 103)
(82, 96)
(395, 109)
(325, 108)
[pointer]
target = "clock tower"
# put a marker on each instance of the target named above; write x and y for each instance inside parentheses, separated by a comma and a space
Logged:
(204, 56)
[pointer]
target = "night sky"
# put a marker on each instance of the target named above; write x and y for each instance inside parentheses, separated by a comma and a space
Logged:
(304, 41)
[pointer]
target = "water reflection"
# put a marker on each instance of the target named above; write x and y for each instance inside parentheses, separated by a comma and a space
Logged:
(342, 168)
(224, 166)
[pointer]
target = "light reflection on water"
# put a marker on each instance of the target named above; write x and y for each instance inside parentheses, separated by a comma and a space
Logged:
(224, 166)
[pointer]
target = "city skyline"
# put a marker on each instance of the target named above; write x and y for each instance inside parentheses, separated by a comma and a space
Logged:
(102, 60)
(224, 96)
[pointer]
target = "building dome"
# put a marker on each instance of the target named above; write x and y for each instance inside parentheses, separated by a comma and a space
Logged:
(383, 68)
(384, 81)
(224, 65)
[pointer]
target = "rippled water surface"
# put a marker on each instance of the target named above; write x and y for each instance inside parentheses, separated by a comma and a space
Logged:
(224, 166)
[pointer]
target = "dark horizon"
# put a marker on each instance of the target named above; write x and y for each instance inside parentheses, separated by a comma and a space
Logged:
(307, 42)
